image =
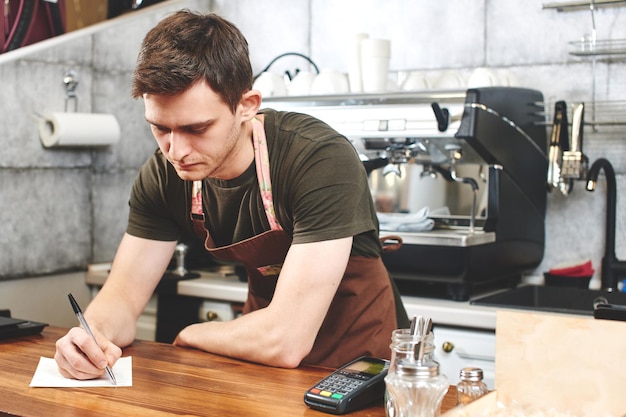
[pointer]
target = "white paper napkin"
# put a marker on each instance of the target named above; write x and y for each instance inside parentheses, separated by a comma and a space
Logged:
(47, 375)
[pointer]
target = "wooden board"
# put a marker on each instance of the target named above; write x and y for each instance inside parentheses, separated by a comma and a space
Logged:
(570, 363)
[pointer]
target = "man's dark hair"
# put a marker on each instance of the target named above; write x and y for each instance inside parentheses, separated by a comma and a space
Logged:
(189, 47)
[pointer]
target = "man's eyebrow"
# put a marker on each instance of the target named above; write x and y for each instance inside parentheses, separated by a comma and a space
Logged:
(197, 124)
(152, 123)
(188, 126)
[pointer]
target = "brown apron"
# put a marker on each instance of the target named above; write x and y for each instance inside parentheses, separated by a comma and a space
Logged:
(362, 314)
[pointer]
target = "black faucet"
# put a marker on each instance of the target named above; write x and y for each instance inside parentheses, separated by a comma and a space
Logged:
(611, 267)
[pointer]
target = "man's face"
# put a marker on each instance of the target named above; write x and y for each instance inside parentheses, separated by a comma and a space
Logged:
(198, 134)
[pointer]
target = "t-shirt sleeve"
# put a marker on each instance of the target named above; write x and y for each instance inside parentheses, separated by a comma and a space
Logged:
(150, 215)
(331, 197)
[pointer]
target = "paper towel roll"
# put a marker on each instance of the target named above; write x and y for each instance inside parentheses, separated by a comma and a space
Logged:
(78, 129)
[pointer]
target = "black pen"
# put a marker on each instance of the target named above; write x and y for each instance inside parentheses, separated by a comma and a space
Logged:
(83, 322)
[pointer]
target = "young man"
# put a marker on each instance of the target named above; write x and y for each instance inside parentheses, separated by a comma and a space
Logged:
(282, 193)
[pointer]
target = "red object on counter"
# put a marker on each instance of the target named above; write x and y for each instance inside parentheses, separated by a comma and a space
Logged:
(582, 270)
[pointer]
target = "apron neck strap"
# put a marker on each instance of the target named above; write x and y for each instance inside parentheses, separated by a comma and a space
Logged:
(262, 163)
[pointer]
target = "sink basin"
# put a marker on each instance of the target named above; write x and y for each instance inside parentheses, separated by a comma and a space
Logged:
(555, 299)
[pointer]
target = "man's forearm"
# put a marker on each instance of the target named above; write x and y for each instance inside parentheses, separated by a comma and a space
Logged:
(113, 317)
(254, 337)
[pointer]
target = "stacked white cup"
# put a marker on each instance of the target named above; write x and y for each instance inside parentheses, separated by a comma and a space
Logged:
(375, 55)
(354, 63)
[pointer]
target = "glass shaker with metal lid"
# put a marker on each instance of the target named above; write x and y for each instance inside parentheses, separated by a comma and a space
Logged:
(415, 387)
(403, 344)
(471, 385)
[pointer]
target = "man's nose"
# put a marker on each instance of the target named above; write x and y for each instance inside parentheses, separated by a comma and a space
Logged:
(179, 145)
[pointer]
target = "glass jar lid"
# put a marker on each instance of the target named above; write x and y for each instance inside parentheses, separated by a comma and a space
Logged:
(471, 374)
(418, 369)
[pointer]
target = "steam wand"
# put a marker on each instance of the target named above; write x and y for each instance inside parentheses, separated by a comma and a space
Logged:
(455, 155)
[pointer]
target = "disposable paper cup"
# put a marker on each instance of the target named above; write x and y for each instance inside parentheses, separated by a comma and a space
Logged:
(375, 64)
(354, 63)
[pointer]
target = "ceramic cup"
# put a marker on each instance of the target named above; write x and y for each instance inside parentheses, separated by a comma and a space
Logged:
(270, 85)
(506, 78)
(375, 55)
(330, 82)
(483, 77)
(301, 84)
(450, 80)
(416, 81)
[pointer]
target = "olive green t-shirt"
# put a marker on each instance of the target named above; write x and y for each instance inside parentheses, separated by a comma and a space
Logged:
(319, 187)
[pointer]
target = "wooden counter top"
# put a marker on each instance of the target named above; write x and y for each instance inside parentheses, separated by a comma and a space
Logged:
(167, 381)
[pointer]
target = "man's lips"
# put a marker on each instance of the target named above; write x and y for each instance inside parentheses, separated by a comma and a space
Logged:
(185, 167)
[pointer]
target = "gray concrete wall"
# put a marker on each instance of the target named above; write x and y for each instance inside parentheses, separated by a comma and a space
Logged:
(61, 209)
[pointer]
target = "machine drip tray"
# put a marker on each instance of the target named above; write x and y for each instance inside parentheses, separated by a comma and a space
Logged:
(452, 237)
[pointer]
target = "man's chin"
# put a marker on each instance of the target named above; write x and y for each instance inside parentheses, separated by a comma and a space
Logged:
(190, 175)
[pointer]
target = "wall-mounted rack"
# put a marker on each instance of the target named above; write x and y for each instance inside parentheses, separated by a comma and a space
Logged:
(607, 114)
(602, 113)
(588, 47)
(582, 5)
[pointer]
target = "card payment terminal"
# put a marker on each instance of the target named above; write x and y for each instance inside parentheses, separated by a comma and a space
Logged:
(350, 387)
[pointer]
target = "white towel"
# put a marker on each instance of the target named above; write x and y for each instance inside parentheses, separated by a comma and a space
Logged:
(406, 222)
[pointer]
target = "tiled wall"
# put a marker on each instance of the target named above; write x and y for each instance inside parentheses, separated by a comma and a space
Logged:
(63, 209)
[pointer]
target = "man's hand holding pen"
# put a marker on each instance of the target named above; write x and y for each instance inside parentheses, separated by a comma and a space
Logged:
(80, 357)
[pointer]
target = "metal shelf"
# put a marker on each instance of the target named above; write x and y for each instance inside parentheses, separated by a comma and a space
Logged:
(589, 47)
(610, 113)
(598, 114)
(583, 5)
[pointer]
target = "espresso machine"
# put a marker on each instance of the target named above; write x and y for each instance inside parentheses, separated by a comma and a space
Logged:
(458, 177)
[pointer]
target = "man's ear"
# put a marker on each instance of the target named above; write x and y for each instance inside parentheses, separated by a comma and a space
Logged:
(249, 104)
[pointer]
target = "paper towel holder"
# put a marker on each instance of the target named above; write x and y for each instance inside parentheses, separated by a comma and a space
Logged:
(77, 130)
(71, 82)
